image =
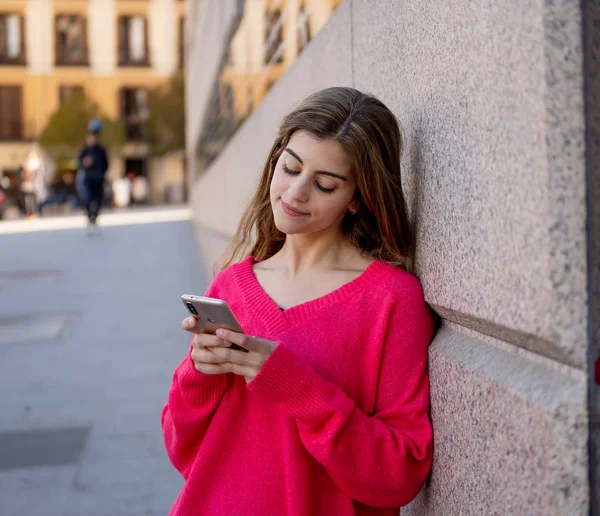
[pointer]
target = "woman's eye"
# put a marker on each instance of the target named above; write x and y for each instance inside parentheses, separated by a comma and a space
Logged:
(288, 171)
(323, 189)
(295, 173)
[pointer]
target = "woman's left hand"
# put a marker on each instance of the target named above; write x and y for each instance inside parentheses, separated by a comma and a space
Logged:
(241, 363)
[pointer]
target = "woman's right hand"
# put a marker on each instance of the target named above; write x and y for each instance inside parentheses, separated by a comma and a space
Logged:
(205, 361)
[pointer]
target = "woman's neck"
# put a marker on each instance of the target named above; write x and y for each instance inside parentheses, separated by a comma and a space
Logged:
(304, 252)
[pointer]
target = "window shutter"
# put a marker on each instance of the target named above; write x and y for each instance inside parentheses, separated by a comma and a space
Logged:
(122, 104)
(58, 54)
(22, 55)
(84, 40)
(4, 114)
(146, 47)
(181, 42)
(123, 41)
(15, 100)
(3, 37)
(10, 113)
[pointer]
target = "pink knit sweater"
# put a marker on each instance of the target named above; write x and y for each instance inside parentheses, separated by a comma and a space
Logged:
(335, 423)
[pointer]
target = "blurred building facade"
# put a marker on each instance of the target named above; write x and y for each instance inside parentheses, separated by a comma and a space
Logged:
(266, 39)
(258, 56)
(113, 50)
(501, 115)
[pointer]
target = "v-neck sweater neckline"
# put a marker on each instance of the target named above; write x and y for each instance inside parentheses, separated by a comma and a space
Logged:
(271, 314)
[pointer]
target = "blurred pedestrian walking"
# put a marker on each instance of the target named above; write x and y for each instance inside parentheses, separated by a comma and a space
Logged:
(28, 190)
(94, 162)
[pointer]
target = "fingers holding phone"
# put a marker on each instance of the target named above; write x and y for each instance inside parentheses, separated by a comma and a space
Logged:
(191, 324)
(208, 315)
(219, 339)
(205, 360)
(207, 340)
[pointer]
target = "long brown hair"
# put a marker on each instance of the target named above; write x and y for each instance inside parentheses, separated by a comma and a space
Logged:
(370, 136)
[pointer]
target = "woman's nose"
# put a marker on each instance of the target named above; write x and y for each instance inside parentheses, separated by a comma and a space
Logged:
(299, 190)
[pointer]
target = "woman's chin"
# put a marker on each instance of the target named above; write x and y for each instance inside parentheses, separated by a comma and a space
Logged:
(289, 228)
(286, 229)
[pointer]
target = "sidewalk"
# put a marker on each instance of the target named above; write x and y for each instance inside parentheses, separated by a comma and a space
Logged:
(89, 338)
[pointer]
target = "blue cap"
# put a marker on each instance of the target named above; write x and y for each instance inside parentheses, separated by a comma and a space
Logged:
(95, 126)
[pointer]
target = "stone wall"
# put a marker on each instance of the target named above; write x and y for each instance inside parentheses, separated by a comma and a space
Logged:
(592, 88)
(491, 99)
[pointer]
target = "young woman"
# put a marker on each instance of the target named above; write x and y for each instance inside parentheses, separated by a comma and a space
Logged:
(327, 412)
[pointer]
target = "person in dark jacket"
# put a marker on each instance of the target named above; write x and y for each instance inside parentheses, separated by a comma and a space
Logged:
(94, 162)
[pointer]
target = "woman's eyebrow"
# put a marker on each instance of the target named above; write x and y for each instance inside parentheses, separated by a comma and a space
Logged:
(323, 172)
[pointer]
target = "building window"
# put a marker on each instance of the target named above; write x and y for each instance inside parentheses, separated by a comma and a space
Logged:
(133, 41)
(71, 40)
(11, 125)
(134, 112)
(274, 37)
(12, 40)
(64, 92)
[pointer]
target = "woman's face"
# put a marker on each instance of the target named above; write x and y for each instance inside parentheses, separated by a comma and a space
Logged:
(312, 187)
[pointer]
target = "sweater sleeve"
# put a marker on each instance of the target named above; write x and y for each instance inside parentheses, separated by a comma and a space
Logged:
(192, 401)
(380, 460)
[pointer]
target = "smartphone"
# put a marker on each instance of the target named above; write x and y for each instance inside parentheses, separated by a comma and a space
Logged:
(213, 314)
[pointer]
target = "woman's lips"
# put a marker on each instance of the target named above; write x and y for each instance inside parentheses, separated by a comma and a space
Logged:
(292, 212)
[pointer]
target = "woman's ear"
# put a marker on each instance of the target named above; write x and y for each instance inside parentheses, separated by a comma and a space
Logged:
(354, 207)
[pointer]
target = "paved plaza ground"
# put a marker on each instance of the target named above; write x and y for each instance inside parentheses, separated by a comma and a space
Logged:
(89, 337)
